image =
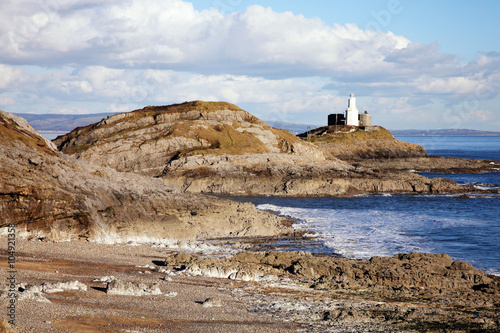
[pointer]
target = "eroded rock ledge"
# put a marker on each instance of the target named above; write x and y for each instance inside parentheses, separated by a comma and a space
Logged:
(437, 164)
(272, 175)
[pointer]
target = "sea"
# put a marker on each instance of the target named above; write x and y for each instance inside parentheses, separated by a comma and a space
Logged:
(360, 227)
(52, 135)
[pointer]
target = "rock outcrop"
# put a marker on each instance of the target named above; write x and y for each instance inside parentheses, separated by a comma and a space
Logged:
(50, 195)
(432, 164)
(147, 140)
(414, 292)
(260, 175)
(127, 288)
(431, 276)
(350, 143)
(215, 147)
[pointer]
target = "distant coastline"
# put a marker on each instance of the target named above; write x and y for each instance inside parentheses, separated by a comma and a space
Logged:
(444, 132)
(62, 123)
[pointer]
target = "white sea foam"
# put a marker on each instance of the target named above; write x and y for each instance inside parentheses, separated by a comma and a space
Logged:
(491, 271)
(362, 234)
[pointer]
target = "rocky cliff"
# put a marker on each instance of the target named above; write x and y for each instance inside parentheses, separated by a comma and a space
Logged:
(50, 195)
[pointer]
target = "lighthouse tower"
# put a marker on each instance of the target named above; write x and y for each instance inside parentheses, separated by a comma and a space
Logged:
(352, 116)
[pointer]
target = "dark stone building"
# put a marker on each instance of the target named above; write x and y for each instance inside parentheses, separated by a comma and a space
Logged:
(336, 119)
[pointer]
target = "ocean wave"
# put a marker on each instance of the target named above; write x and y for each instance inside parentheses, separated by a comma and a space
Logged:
(364, 232)
(491, 271)
(357, 234)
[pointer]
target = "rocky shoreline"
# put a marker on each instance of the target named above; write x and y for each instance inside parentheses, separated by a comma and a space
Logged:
(200, 286)
(122, 227)
(437, 164)
(48, 195)
(216, 147)
(231, 176)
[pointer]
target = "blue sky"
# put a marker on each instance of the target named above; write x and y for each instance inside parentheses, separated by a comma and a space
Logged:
(412, 64)
(464, 28)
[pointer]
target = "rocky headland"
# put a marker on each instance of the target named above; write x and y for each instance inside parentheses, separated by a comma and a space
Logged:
(215, 147)
(350, 143)
(380, 150)
(148, 140)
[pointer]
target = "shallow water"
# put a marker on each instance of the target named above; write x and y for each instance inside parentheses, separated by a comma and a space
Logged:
(383, 225)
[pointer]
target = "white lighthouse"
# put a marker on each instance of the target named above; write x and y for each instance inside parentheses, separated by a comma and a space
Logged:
(352, 116)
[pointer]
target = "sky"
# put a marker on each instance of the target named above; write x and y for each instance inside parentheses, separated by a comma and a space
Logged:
(411, 64)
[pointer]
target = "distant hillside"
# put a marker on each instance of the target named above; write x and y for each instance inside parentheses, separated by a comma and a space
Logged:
(292, 127)
(444, 132)
(61, 122)
(68, 122)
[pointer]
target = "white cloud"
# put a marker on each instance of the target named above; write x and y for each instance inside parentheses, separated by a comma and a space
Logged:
(399, 105)
(120, 54)
(8, 75)
(480, 115)
(449, 85)
(6, 100)
(118, 108)
(460, 115)
(172, 34)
